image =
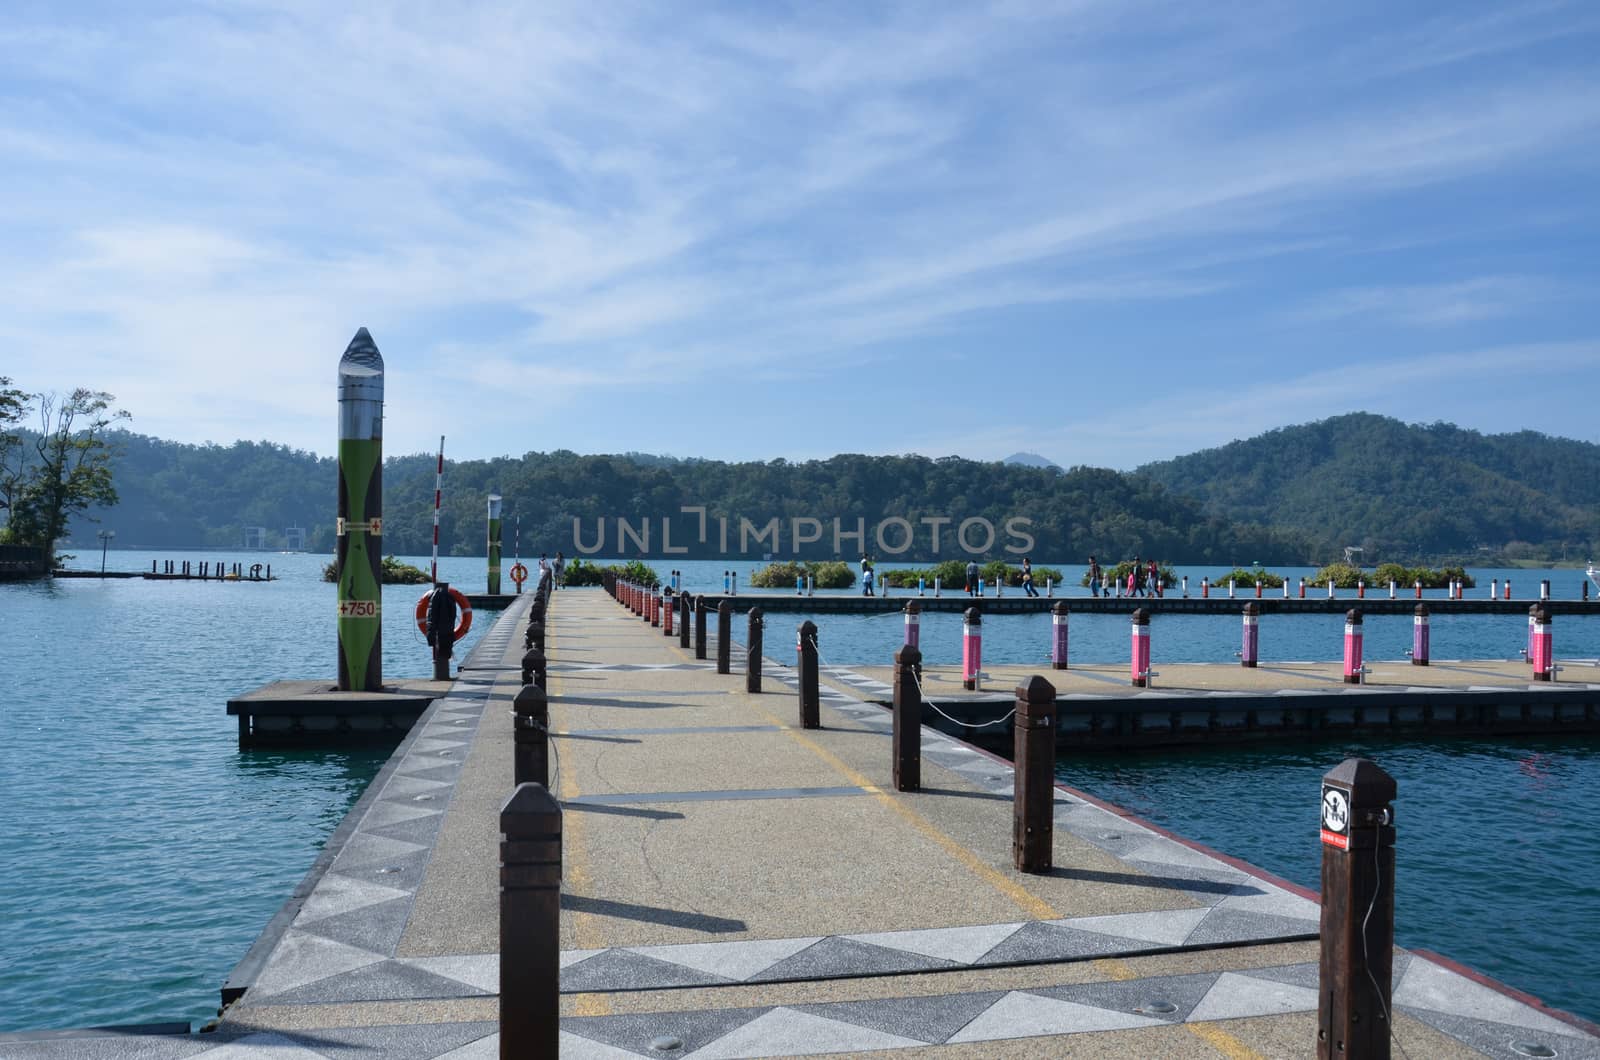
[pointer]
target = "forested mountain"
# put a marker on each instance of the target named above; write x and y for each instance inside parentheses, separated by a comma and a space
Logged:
(175, 495)
(1402, 491)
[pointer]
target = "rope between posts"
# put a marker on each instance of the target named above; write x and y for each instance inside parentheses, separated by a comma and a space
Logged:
(922, 697)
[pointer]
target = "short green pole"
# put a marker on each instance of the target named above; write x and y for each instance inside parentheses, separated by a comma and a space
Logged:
(359, 560)
(494, 544)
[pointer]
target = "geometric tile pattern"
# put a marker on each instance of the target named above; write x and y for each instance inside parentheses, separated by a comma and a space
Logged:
(340, 945)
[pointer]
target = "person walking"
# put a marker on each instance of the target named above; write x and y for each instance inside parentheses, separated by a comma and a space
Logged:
(1027, 577)
(560, 569)
(1136, 579)
(972, 577)
(1155, 578)
(866, 577)
(1094, 577)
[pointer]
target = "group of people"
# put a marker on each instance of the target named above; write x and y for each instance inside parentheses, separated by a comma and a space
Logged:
(555, 570)
(1142, 579)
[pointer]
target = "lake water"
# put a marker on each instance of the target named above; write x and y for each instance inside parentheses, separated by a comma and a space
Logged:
(143, 851)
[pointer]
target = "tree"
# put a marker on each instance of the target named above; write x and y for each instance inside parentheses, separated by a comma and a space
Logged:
(72, 469)
(13, 407)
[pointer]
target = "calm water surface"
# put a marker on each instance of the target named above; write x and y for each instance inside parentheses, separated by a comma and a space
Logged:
(142, 851)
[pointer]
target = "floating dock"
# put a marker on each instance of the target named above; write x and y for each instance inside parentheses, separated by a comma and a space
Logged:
(1014, 603)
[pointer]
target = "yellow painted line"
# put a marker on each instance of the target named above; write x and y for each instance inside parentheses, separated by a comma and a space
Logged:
(574, 866)
(1209, 1033)
(1223, 1042)
(1034, 906)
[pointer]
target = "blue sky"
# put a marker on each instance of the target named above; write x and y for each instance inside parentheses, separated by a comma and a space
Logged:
(1105, 232)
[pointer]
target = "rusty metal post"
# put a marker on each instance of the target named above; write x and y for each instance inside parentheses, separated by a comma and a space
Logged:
(700, 627)
(725, 637)
(1033, 803)
(810, 687)
(534, 671)
(1353, 1008)
(685, 609)
(531, 733)
(530, 924)
(907, 720)
(752, 652)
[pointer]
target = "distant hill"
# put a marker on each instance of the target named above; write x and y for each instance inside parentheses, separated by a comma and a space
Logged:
(1404, 490)
(175, 495)
(1029, 460)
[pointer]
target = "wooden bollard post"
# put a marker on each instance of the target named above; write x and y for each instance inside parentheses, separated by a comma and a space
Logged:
(725, 637)
(810, 688)
(1357, 911)
(685, 610)
(531, 737)
(534, 671)
(1250, 651)
(700, 627)
(1034, 797)
(1419, 636)
(530, 924)
(1058, 636)
(907, 719)
(752, 652)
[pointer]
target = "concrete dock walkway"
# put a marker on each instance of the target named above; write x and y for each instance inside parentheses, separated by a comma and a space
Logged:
(737, 886)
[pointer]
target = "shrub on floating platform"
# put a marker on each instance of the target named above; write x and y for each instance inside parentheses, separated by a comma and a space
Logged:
(578, 573)
(1248, 576)
(1406, 577)
(394, 573)
(636, 571)
(828, 574)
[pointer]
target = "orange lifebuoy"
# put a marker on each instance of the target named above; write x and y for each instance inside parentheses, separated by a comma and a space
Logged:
(519, 574)
(463, 612)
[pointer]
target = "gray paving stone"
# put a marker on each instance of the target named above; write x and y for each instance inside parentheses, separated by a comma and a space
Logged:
(833, 957)
(362, 850)
(336, 894)
(105, 1046)
(622, 970)
(635, 1032)
(1426, 985)
(731, 960)
(1235, 996)
(962, 944)
(927, 1019)
(1228, 925)
(1163, 928)
(403, 873)
(1495, 1039)
(422, 769)
(265, 1045)
(419, 1041)
(1307, 975)
(301, 958)
(383, 981)
(420, 830)
(1018, 1015)
(375, 927)
(786, 1032)
(1046, 942)
(1140, 997)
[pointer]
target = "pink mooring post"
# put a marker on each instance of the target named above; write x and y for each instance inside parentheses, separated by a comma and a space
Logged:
(1543, 647)
(913, 612)
(1419, 636)
(1140, 667)
(1533, 612)
(1252, 636)
(971, 648)
(1352, 647)
(1058, 636)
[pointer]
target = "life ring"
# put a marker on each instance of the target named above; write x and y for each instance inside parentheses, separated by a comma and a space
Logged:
(463, 612)
(519, 574)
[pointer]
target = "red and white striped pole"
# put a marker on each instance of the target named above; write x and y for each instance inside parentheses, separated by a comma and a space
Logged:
(438, 491)
(1352, 647)
(666, 612)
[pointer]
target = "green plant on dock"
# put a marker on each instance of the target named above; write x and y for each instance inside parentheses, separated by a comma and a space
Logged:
(1248, 576)
(394, 573)
(636, 571)
(579, 573)
(1430, 578)
(828, 574)
(1343, 576)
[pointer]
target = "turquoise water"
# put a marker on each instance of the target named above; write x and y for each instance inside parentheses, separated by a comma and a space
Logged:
(1497, 860)
(142, 851)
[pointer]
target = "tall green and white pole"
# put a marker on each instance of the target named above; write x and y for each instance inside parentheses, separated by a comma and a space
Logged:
(494, 544)
(360, 526)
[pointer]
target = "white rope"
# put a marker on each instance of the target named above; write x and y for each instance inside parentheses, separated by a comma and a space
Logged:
(923, 699)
